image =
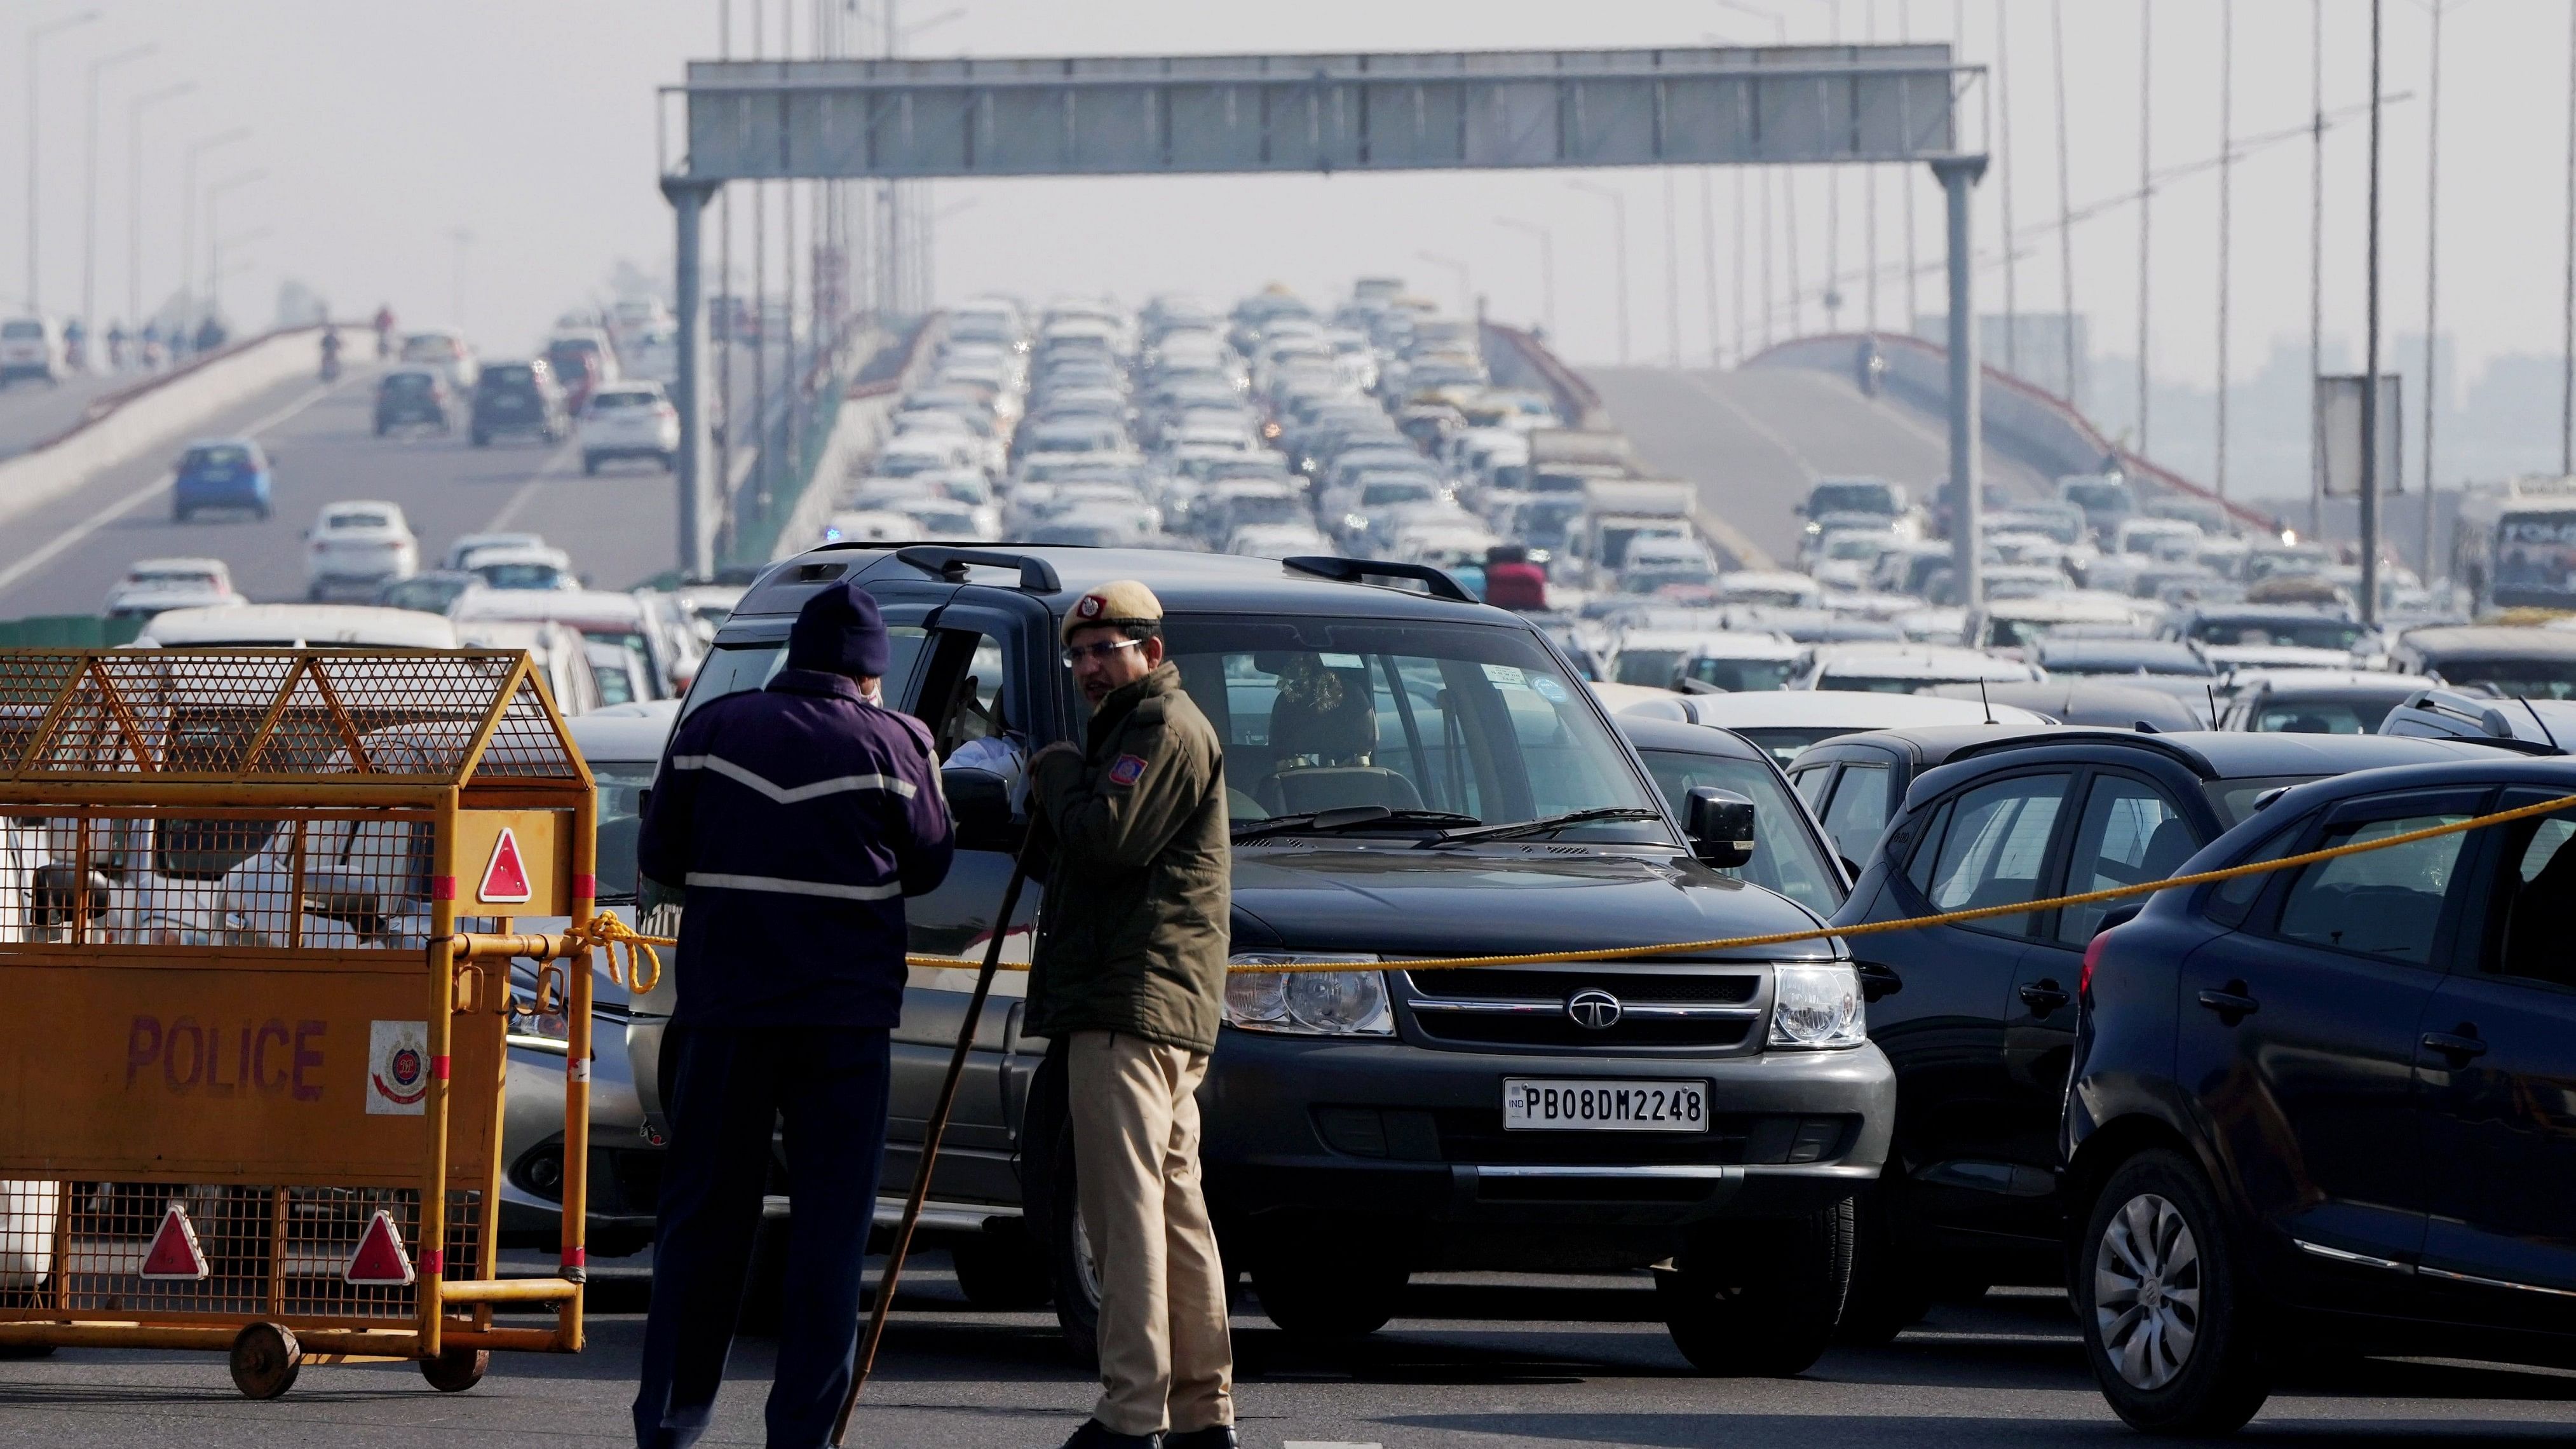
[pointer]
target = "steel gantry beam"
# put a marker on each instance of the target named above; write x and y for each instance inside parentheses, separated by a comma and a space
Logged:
(1238, 114)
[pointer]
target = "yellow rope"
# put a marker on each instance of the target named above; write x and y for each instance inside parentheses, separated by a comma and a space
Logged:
(1820, 933)
(605, 933)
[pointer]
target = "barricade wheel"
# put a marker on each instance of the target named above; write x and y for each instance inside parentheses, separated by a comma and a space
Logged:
(457, 1369)
(265, 1360)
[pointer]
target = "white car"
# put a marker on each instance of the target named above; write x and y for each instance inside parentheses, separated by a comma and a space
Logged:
(1785, 721)
(1906, 668)
(1775, 588)
(1277, 540)
(155, 585)
(299, 626)
(358, 548)
(467, 545)
(629, 420)
(447, 350)
(31, 349)
(522, 568)
(870, 525)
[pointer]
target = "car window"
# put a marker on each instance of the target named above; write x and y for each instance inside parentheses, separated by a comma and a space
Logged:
(2230, 901)
(1736, 676)
(1810, 784)
(971, 703)
(1785, 856)
(2385, 903)
(2532, 903)
(621, 784)
(2324, 715)
(2130, 832)
(1857, 815)
(1995, 850)
(357, 520)
(1319, 713)
(1652, 668)
(733, 668)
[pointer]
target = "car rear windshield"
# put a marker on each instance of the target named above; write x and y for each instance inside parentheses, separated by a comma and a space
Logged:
(22, 331)
(1786, 743)
(614, 401)
(2343, 712)
(360, 520)
(406, 382)
(510, 374)
(521, 575)
(1850, 498)
(1652, 668)
(2277, 633)
(1735, 676)
(2515, 678)
(218, 457)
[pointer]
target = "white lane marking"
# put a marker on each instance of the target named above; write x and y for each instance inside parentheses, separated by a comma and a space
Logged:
(105, 516)
(528, 490)
(1760, 429)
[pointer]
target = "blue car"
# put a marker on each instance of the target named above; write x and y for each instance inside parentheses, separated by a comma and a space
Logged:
(222, 473)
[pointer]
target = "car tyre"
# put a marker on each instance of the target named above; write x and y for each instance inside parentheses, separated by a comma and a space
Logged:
(182, 515)
(2158, 1261)
(482, 439)
(589, 465)
(1053, 1210)
(670, 462)
(1000, 1268)
(1321, 1284)
(1759, 1297)
(1888, 1295)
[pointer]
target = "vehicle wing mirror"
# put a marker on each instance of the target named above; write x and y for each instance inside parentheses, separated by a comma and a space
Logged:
(979, 801)
(1719, 826)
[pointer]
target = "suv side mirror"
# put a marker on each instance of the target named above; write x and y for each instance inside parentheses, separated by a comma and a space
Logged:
(979, 801)
(1719, 825)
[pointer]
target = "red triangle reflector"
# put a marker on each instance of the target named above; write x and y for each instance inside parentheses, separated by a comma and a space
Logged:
(505, 878)
(175, 1256)
(380, 1258)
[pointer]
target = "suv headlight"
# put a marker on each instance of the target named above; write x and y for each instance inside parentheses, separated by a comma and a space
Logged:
(1307, 1003)
(1817, 1005)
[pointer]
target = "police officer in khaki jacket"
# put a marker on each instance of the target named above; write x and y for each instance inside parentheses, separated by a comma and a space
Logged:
(1128, 983)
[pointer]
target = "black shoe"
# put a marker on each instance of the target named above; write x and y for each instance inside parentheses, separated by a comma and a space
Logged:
(1214, 1436)
(1095, 1435)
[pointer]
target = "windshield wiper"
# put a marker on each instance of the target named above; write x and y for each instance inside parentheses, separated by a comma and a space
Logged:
(1349, 817)
(1544, 823)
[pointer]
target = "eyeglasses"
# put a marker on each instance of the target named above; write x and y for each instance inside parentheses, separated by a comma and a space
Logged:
(1074, 654)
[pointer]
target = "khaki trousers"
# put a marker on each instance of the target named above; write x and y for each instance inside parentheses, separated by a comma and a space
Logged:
(1165, 1359)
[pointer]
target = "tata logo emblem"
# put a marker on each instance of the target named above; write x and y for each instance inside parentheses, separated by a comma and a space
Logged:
(1593, 1010)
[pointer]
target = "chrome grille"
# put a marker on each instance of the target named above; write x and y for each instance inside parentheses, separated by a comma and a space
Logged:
(1692, 1007)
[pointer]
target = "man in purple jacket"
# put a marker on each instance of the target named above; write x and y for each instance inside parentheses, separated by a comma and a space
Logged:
(797, 818)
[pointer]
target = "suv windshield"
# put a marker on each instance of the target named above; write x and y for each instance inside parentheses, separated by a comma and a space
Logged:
(2512, 678)
(1827, 498)
(2277, 633)
(1321, 714)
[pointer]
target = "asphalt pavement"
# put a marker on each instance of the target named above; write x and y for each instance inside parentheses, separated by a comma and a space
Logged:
(1753, 439)
(621, 526)
(32, 412)
(1475, 1361)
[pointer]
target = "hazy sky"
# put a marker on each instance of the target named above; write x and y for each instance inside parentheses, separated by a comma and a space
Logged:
(384, 128)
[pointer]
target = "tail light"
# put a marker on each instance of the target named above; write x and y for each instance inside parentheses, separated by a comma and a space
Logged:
(2092, 958)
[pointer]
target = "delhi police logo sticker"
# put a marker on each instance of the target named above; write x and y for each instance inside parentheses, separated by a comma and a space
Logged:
(1128, 770)
(397, 1068)
(1593, 1010)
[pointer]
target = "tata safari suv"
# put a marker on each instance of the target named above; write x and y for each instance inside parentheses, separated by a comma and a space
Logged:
(1409, 775)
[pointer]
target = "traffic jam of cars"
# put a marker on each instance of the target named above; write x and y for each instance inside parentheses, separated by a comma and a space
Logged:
(1488, 687)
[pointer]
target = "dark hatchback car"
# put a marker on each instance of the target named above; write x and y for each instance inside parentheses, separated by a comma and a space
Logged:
(519, 397)
(2332, 1108)
(1978, 1017)
(414, 397)
(2506, 661)
(1409, 775)
(1794, 858)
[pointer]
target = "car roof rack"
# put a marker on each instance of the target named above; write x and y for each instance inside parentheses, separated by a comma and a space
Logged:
(1361, 570)
(940, 561)
(2481, 719)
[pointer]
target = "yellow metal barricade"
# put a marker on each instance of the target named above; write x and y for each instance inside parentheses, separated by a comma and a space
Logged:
(243, 1040)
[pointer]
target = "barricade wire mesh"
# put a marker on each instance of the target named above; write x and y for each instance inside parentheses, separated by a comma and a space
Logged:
(81, 1248)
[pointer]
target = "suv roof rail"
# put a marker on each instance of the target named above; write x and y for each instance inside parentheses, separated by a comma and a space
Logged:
(1361, 570)
(1037, 576)
(2189, 759)
(2453, 714)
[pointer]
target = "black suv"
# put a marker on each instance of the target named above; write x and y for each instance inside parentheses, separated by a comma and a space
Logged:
(2331, 1107)
(1709, 1115)
(1979, 1018)
(409, 395)
(519, 397)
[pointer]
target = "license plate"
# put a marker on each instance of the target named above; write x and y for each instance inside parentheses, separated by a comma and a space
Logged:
(1541, 1104)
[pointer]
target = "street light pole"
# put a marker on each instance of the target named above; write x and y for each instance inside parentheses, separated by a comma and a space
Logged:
(1619, 240)
(89, 184)
(1466, 293)
(134, 196)
(1546, 267)
(2370, 420)
(36, 34)
(188, 214)
(214, 279)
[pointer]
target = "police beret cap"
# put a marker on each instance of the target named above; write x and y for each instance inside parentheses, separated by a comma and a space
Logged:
(1112, 605)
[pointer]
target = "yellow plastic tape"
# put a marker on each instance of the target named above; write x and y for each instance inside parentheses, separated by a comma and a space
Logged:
(1820, 933)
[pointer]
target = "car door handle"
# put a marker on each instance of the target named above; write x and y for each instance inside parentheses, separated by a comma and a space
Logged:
(1877, 980)
(2232, 1002)
(2455, 1045)
(2044, 996)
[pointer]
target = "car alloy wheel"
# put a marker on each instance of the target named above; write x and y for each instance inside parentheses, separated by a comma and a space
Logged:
(2146, 1291)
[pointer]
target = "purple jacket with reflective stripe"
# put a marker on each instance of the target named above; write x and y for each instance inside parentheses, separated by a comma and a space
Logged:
(797, 818)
